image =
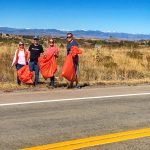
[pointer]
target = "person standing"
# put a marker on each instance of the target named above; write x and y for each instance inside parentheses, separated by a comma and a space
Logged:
(35, 50)
(52, 50)
(20, 59)
(70, 43)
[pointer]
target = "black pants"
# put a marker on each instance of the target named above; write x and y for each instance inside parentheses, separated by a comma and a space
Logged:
(52, 81)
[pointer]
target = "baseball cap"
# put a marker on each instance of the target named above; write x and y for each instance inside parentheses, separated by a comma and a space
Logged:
(69, 35)
(36, 37)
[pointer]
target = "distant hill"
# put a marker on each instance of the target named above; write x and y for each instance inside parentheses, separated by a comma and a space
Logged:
(77, 33)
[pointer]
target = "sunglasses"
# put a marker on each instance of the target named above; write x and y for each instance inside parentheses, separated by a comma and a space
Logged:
(69, 37)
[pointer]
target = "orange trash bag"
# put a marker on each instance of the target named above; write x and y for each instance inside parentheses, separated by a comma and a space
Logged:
(47, 65)
(25, 75)
(75, 50)
(68, 70)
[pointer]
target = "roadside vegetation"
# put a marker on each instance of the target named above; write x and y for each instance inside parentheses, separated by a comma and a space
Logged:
(103, 62)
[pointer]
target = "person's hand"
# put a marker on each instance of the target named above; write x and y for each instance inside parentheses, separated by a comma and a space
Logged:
(44, 54)
(56, 55)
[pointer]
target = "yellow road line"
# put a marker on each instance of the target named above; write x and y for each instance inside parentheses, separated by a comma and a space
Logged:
(93, 141)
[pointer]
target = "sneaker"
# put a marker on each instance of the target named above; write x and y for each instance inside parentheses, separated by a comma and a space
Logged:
(78, 87)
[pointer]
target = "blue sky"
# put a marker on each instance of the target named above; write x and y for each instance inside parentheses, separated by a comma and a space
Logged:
(130, 16)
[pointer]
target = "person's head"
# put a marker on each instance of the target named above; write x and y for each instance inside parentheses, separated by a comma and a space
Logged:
(21, 45)
(36, 40)
(51, 42)
(69, 37)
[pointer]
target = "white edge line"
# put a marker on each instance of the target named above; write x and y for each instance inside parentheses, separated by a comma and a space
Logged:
(72, 99)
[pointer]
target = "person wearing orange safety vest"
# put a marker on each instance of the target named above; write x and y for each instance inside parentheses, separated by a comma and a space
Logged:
(20, 59)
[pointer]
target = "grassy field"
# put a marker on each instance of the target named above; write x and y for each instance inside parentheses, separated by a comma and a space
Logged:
(98, 66)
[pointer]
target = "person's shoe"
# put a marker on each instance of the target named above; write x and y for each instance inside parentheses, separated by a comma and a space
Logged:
(78, 87)
(69, 86)
(50, 87)
(35, 84)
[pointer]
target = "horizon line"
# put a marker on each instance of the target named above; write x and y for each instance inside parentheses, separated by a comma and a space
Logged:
(66, 30)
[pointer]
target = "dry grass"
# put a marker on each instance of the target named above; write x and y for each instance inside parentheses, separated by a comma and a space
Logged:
(113, 65)
(7, 86)
(104, 66)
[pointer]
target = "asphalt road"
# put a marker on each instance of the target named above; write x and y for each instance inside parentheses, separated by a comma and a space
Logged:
(26, 125)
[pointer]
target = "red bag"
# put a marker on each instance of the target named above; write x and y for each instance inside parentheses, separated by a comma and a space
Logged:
(68, 70)
(75, 51)
(25, 75)
(47, 65)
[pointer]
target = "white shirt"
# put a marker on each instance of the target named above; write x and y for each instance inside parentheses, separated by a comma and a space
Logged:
(21, 58)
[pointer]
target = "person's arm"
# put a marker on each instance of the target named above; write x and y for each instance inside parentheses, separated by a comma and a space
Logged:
(28, 57)
(14, 59)
(29, 52)
(42, 51)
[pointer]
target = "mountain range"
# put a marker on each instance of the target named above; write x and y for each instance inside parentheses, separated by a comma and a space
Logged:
(77, 33)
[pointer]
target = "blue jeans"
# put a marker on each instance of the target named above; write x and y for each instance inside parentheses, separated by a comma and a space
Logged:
(34, 67)
(18, 66)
